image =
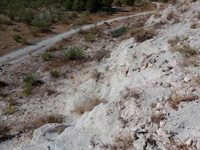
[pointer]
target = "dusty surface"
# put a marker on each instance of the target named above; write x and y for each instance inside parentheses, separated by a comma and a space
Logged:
(135, 96)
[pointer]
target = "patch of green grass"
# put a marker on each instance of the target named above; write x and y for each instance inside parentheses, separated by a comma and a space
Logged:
(74, 53)
(46, 56)
(119, 32)
(54, 74)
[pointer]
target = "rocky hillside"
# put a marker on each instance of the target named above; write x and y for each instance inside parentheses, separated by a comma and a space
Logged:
(145, 95)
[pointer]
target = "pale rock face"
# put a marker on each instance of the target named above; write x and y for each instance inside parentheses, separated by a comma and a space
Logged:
(130, 87)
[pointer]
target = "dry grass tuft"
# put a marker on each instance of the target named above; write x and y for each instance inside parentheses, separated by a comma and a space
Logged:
(122, 143)
(194, 26)
(88, 106)
(130, 93)
(157, 15)
(157, 118)
(185, 50)
(159, 24)
(141, 34)
(44, 120)
(177, 99)
(170, 15)
(198, 15)
(4, 132)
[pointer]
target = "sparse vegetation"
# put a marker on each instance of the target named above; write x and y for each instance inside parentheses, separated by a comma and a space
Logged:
(4, 131)
(74, 53)
(16, 29)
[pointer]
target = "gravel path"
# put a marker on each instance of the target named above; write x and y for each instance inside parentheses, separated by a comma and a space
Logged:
(45, 44)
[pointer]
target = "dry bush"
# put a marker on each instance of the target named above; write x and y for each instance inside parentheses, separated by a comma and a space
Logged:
(101, 54)
(156, 118)
(157, 15)
(170, 15)
(48, 90)
(3, 84)
(194, 26)
(198, 15)
(173, 42)
(141, 34)
(185, 49)
(88, 106)
(129, 93)
(4, 132)
(184, 10)
(191, 61)
(122, 143)
(176, 99)
(44, 120)
(159, 24)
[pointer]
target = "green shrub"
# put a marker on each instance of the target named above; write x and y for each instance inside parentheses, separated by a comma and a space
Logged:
(46, 56)
(29, 79)
(119, 32)
(74, 53)
(28, 88)
(54, 74)
(16, 38)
